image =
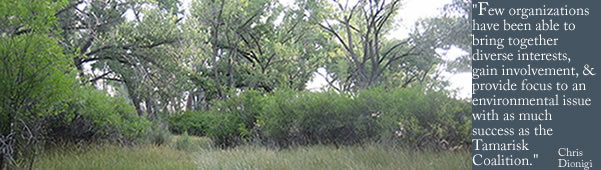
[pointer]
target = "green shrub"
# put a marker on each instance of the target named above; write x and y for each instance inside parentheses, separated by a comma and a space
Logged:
(183, 142)
(310, 118)
(228, 123)
(419, 117)
(232, 121)
(158, 134)
(92, 114)
(412, 117)
(193, 122)
(408, 116)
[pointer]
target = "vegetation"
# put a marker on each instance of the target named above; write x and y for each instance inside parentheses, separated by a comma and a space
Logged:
(116, 157)
(129, 73)
(200, 155)
(411, 117)
(91, 114)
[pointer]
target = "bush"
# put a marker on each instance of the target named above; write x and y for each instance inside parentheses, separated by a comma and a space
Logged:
(232, 122)
(227, 123)
(92, 114)
(193, 122)
(413, 117)
(418, 117)
(158, 133)
(310, 118)
(183, 142)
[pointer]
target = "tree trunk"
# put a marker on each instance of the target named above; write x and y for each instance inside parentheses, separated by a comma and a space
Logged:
(137, 105)
(149, 109)
(189, 106)
(233, 60)
(1, 161)
(215, 36)
(134, 98)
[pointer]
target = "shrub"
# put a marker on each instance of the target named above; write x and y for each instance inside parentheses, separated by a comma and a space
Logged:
(232, 121)
(420, 117)
(183, 142)
(414, 117)
(158, 134)
(408, 116)
(92, 114)
(310, 118)
(193, 122)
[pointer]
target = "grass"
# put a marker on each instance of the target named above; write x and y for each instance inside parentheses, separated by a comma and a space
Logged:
(328, 157)
(201, 155)
(116, 157)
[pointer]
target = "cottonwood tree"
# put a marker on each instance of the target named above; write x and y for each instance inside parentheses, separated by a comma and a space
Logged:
(253, 44)
(434, 37)
(368, 57)
(130, 45)
(360, 29)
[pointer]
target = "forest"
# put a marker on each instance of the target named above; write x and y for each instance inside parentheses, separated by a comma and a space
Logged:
(223, 84)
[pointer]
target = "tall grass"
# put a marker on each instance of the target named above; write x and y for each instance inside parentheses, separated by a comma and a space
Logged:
(201, 155)
(116, 157)
(329, 157)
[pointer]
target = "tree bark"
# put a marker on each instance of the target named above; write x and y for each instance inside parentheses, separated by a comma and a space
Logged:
(1, 161)
(189, 106)
(137, 105)
(134, 98)
(233, 60)
(149, 109)
(215, 35)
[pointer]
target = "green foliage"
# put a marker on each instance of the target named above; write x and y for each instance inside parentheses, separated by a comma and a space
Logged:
(158, 134)
(411, 117)
(111, 112)
(34, 77)
(159, 137)
(92, 114)
(228, 123)
(232, 122)
(193, 122)
(223, 128)
(139, 55)
(310, 118)
(183, 142)
(367, 56)
(421, 117)
(155, 59)
(258, 44)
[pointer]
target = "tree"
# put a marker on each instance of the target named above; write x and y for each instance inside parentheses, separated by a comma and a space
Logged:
(433, 37)
(360, 29)
(366, 57)
(34, 77)
(137, 54)
(253, 44)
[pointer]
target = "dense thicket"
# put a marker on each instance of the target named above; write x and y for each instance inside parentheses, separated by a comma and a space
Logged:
(91, 115)
(410, 117)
